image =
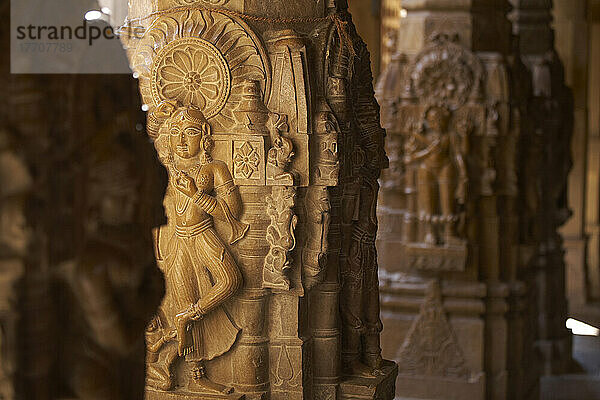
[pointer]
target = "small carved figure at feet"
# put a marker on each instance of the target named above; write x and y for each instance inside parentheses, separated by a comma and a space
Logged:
(159, 377)
(160, 355)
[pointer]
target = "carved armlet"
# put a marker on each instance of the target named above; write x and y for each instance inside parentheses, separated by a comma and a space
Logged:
(206, 201)
(226, 188)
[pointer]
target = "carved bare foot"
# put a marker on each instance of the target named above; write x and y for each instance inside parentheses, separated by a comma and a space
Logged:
(357, 368)
(200, 383)
(204, 385)
(453, 241)
(375, 362)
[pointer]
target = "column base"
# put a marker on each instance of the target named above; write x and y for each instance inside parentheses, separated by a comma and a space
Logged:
(376, 388)
(154, 394)
(430, 388)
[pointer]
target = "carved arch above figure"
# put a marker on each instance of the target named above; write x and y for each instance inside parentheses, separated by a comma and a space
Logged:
(446, 72)
(200, 58)
(209, 2)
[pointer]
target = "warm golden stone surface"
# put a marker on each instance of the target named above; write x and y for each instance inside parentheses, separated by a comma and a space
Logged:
(264, 115)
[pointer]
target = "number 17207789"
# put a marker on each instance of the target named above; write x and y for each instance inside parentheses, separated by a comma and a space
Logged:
(47, 47)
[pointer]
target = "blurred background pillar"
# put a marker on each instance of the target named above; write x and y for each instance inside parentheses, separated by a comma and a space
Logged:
(456, 300)
(577, 27)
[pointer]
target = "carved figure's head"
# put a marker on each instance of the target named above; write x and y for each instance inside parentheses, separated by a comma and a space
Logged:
(180, 130)
(189, 132)
(437, 118)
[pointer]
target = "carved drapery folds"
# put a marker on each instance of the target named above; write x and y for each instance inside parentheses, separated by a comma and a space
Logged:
(273, 153)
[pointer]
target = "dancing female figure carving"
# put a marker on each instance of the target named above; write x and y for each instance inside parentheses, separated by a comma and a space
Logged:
(200, 273)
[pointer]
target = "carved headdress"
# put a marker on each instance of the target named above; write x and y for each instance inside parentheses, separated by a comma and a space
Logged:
(169, 113)
(172, 112)
(190, 113)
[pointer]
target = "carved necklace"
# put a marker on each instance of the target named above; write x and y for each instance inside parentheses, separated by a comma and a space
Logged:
(181, 208)
(204, 159)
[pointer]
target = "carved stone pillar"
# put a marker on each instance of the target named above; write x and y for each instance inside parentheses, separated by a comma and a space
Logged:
(263, 114)
(551, 114)
(452, 297)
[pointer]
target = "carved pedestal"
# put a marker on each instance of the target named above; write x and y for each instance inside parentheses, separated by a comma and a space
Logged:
(264, 116)
(154, 394)
(371, 388)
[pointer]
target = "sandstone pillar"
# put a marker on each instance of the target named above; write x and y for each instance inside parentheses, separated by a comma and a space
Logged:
(577, 31)
(452, 288)
(550, 112)
(263, 114)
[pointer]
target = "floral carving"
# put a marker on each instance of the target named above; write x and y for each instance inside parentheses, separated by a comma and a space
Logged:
(246, 160)
(192, 71)
(445, 70)
(281, 237)
(222, 53)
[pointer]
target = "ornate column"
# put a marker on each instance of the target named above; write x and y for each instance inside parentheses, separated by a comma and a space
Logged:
(551, 114)
(263, 114)
(453, 299)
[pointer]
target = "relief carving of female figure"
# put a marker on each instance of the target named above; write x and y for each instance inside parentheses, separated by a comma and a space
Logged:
(200, 273)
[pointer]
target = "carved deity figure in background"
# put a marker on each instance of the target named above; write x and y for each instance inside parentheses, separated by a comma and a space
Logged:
(441, 176)
(200, 273)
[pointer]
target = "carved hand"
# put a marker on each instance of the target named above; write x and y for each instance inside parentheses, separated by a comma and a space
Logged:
(171, 335)
(461, 190)
(181, 325)
(185, 184)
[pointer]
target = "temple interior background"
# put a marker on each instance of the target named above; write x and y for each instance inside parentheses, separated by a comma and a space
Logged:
(488, 251)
